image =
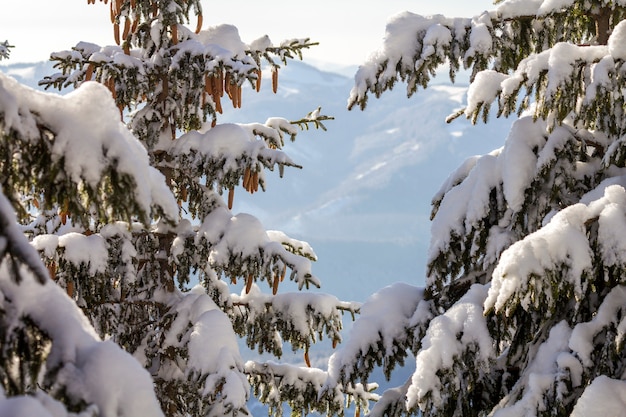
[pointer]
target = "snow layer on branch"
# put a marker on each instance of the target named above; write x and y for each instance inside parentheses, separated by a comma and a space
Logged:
(539, 376)
(401, 45)
(603, 397)
(13, 240)
(77, 249)
(457, 176)
(563, 242)
(462, 328)
(298, 246)
(91, 370)
(305, 313)
(89, 137)
(484, 89)
(212, 346)
(551, 6)
(518, 160)
(400, 35)
(230, 143)
(287, 377)
(243, 236)
(226, 36)
(465, 204)
(384, 316)
(480, 38)
(513, 8)
(583, 336)
(617, 41)
(558, 63)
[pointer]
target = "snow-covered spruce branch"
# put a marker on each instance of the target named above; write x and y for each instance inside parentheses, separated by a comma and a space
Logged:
(224, 155)
(555, 80)
(54, 346)
(200, 371)
(239, 248)
(502, 185)
(41, 134)
(298, 318)
(517, 283)
(400, 315)
(304, 390)
(392, 402)
(416, 46)
(458, 335)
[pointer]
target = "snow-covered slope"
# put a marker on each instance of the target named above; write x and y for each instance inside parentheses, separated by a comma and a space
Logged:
(363, 197)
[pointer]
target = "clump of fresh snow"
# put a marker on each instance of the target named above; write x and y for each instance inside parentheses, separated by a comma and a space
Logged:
(603, 397)
(226, 36)
(562, 241)
(441, 345)
(480, 39)
(78, 249)
(90, 250)
(484, 89)
(513, 8)
(602, 74)
(464, 205)
(436, 34)
(457, 176)
(260, 44)
(229, 143)
(551, 6)
(617, 41)
(584, 334)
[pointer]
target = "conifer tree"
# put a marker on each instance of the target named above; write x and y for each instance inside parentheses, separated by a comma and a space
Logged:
(523, 309)
(125, 188)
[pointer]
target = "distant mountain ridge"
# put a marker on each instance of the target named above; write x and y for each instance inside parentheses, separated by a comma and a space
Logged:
(363, 197)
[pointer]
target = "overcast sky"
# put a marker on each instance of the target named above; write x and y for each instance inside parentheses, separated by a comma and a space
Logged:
(347, 30)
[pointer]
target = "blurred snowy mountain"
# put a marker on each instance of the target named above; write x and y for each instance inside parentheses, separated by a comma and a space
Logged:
(363, 197)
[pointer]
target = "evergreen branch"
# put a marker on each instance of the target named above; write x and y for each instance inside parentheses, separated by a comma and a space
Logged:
(5, 50)
(314, 118)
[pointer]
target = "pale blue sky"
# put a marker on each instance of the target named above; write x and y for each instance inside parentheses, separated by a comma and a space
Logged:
(348, 30)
